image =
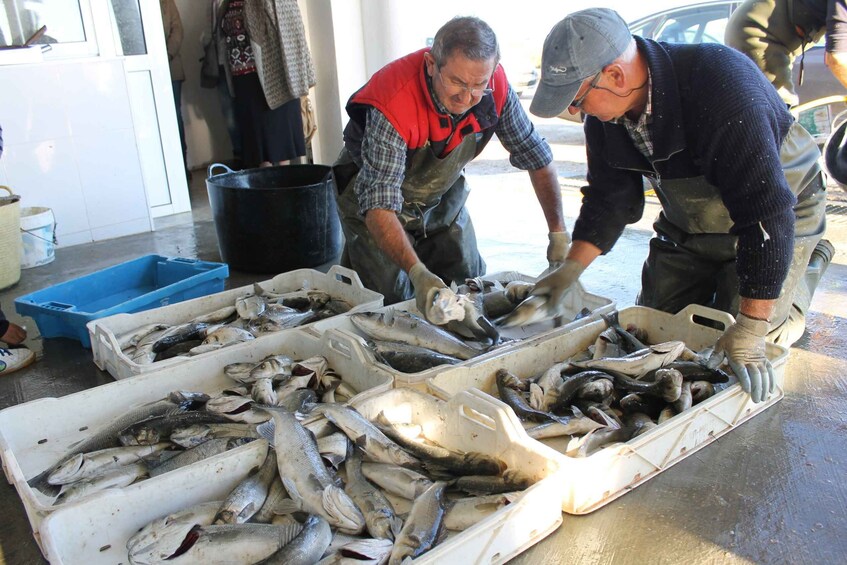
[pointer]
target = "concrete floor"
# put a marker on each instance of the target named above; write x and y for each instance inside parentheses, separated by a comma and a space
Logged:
(772, 491)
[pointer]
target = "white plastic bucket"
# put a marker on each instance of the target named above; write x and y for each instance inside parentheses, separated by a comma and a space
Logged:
(37, 236)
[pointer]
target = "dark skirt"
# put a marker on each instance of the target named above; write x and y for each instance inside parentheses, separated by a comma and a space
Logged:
(266, 135)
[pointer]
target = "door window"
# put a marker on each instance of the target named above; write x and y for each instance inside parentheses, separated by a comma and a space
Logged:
(68, 28)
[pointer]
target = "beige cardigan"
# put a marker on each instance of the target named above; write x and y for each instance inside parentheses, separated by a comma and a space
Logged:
(283, 61)
(173, 37)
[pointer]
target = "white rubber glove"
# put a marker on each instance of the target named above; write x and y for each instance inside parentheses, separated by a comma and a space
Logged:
(426, 285)
(743, 346)
(557, 249)
(556, 284)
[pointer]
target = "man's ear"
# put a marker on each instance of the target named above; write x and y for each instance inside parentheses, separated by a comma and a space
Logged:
(615, 75)
(430, 64)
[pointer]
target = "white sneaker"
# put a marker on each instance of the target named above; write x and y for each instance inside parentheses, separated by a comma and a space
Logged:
(13, 359)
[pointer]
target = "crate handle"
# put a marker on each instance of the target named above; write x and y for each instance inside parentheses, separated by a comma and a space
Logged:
(503, 417)
(57, 305)
(210, 174)
(692, 310)
(186, 260)
(338, 343)
(346, 276)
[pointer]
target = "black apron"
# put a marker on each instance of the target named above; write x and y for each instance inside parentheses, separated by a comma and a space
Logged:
(692, 256)
(434, 216)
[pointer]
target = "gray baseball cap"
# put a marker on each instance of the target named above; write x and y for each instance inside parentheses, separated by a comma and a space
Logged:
(577, 48)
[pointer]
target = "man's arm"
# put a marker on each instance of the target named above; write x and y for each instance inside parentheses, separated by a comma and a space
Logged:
(545, 182)
(391, 237)
(836, 40)
(837, 63)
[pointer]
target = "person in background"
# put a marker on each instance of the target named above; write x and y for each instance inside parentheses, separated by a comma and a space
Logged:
(271, 67)
(413, 127)
(224, 84)
(773, 32)
(743, 198)
(12, 358)
(173, 39)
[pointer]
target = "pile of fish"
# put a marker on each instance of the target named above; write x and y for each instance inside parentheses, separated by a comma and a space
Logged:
(462, 328)
(251, 316)
(335, 487)
(188, 427)
(617, 389)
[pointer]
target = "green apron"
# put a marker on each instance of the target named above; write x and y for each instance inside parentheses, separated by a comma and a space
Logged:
(434, 216)
(692, 256)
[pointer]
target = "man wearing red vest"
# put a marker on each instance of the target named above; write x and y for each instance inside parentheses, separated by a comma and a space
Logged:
(413, 127)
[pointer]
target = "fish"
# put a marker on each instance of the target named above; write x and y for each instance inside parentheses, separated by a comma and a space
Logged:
(366, 436)
(219, 316)
(228, 544)
(695, 371)
(104, 437)
(113, 478)
(379, 514)
(88, 465)
(263, 392)
(304, 475)
(307, 547)
(203, 451)
(278, 317)
(510, 480)
(408, 358)
(639, 363)
(540, 392)
(333, 448)
(277, 502)
(593, 441)
(534, 309)
(194, 435)
(468, 463)
(641, 422)
(685, 399)
(157, 540)
(569, 386)
(667, 384)
(247, 498)
(508, 387)
(396, 480)
(408, 328)
(629, 341)
(358, 552)
(131, 338)
(249, 307)
(701, 390)
(575, 426)
(273, 366)
(155, 429)
(463, 513)
(181, 333)
(421, 529)
(222, 337)
(236, 409)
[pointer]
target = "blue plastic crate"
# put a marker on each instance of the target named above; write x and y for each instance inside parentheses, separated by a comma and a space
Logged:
(148, 282)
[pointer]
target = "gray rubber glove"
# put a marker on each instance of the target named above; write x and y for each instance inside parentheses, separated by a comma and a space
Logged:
(557, 249)
(743, 346)
(426, 284)
(556, 284)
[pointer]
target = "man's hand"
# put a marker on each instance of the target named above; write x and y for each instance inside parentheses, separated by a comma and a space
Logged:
(556, 284)
(743, 346)
(557, 250)
(426, 284)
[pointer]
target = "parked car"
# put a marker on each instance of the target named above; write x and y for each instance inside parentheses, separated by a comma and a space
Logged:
(706, 22)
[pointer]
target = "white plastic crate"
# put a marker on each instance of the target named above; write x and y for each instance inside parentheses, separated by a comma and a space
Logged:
(576, 300)
(36, 434)
(341, 283)
(594, 481)
(78, 533)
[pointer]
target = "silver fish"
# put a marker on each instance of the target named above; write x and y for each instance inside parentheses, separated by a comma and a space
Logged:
(463, 513)
(277, 497)
(274, 366)
(408, 358)
(542, 392)
(420, 532)
(203, 451)
(248, 307)
(304, 475)
(88, 465)
(365, 435)
(307, 547)
(263, 392)
(194, 435)
(358, 552)
(218, 316)
(232, 544)
(159, 539)
(576, 426)
(639, 363)
(408, 328)
(333, 448)
(378, 512)
(114, 478)
(132, 338)
(396, 480)
(247, 498)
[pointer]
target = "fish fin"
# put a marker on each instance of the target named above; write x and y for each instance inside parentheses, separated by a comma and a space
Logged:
(292, 491)
(40, 482)
(536, 397)
(395, 524)
(333, 459)
(267, 430)
(286, 506)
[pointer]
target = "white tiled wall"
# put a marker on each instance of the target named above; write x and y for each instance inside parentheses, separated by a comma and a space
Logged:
(69, 144)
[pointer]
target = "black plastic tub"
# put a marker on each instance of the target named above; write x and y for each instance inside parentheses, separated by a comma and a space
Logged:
(275, 219)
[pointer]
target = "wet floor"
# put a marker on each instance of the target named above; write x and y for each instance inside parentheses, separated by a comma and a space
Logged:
(771, 491)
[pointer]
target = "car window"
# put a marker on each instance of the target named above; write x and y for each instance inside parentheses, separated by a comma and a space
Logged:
(695, 25)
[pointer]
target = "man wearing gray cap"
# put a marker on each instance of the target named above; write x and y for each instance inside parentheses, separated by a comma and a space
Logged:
(739, 181)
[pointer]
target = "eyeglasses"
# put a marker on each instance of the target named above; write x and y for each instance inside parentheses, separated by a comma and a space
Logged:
(453, 88)
(577, 102)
